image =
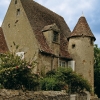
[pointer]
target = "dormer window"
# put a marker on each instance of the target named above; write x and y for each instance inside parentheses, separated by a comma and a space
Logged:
(52, 34)
(18, 11)
(55, 36)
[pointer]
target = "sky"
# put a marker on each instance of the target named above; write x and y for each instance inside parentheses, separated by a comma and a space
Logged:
(70, 10)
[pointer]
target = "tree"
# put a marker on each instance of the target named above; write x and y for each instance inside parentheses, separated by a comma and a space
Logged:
(97, 70)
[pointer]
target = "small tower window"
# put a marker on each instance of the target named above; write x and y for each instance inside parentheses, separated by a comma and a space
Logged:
(73, 46)
(18, 11)
(55, 36)
(15, 1)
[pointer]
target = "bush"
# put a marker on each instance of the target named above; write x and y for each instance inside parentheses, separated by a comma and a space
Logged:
(51, 83)
(15, 73)
(64, 79)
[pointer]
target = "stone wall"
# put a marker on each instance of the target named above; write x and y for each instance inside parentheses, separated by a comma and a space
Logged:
(96, 99)
(31, 95)
(40, 95)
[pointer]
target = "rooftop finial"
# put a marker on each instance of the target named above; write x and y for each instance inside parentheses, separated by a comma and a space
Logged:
(82, 14)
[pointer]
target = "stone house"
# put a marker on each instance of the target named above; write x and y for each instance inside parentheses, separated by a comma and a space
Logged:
(44, 36)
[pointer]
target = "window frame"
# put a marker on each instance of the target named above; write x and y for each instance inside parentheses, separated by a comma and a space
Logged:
(55, 36)
(71, 64)
(62, 63)
(18, 12)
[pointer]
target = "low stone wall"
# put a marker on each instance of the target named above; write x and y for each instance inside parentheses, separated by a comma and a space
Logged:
(31, 95)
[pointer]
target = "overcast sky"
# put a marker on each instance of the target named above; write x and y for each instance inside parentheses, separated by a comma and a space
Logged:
(70, 10)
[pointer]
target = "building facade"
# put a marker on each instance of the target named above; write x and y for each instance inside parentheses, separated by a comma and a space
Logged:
(44, 36)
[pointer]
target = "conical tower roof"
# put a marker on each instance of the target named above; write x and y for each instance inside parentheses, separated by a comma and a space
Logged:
(82, 29)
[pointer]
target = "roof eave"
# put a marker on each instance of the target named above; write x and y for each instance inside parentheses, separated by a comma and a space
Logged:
(81, 36)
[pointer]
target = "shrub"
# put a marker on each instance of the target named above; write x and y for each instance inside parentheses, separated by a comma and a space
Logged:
(15, 73)
(64, 78)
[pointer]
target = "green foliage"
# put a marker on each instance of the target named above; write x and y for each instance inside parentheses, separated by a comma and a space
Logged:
(9, 59)
(51, 83)
(75, 82)
(15, 73)
(64, 78)
(97, 70)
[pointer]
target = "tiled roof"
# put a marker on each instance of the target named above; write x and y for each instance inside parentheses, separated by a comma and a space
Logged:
(82, 29)
(3, 45)
(40, 17)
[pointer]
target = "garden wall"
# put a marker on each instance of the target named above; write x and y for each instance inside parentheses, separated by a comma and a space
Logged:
(30, 95)
(38, 95)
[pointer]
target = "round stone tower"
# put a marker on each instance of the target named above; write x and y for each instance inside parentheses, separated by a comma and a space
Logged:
(81, 48)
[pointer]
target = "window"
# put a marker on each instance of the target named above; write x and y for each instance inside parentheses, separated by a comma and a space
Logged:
(55, 36)
(73, 46)
(62, 64)
(15, 1)
(18, 11)
(71, 64)
(20, 54)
